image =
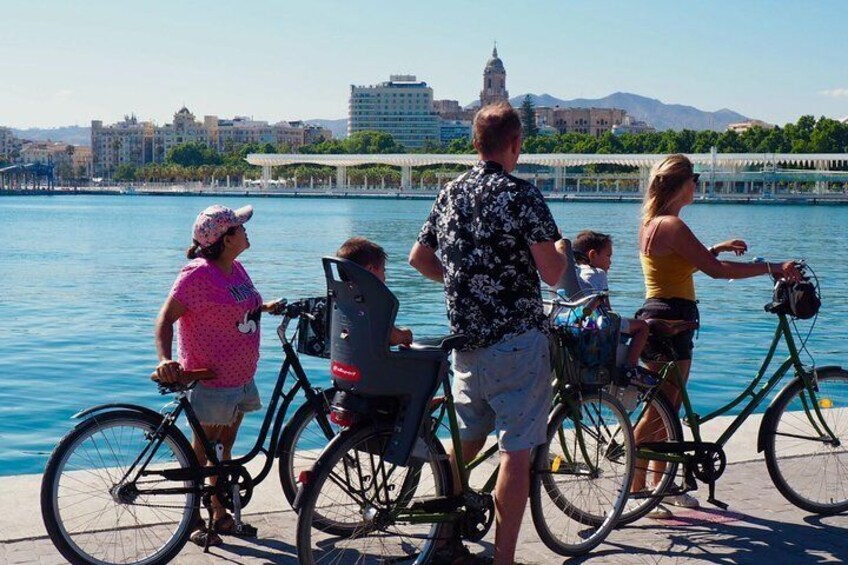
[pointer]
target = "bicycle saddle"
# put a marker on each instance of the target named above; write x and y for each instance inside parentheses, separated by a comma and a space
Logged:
(668, 328)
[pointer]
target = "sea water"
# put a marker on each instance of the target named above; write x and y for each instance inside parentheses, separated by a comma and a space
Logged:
(83, 278)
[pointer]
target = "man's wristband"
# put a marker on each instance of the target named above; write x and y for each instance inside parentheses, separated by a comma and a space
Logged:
(713, 251)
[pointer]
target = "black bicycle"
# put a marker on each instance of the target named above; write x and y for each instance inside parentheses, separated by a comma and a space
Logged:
(124, 486)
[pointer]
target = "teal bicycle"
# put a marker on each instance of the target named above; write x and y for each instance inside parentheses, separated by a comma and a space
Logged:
(803, 434)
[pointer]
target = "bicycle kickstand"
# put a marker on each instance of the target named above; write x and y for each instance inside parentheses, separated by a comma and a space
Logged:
(210, 526)
(712, 499)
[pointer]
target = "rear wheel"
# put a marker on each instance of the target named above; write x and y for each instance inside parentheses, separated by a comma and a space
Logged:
(807, 465)
(102, 504)
(653, 421)
(351, 483)
(582, 474)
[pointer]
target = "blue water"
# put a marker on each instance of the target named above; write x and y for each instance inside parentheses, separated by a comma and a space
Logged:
(84, 277)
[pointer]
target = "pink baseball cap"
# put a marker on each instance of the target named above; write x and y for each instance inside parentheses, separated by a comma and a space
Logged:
(214, 222)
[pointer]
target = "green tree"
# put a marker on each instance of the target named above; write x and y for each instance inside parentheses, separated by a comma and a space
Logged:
(528, 118)
(192, 154)
(125, 173)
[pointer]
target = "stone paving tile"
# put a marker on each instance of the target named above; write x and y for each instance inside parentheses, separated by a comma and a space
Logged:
(760, 528)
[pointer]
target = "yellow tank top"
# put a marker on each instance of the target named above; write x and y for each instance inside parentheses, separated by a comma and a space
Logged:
(668, 276)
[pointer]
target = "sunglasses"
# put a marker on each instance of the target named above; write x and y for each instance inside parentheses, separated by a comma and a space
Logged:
(695, 177)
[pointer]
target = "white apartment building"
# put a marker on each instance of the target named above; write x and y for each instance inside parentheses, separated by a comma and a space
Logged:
(402, 107)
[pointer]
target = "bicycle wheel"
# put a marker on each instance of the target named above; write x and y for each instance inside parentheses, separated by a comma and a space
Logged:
(653, 421)
(582, 474)
(303, 439)
(352, 482)
(97, 510)
(806, 466)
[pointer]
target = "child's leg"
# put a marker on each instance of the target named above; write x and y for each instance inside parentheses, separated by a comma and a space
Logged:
(638, 331)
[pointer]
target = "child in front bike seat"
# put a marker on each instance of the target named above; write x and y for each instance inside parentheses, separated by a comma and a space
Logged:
(593, 256)
(372, 258)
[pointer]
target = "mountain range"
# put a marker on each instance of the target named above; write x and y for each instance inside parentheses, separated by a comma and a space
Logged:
(660, 115)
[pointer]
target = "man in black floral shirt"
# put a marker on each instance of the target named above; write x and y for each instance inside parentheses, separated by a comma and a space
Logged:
(489, 238)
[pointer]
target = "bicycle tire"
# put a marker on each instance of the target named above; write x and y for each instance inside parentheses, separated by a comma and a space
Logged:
(582, 473)
(809, 472)
(670, 430)
(302, 440)
(338, 485)
(82, 502)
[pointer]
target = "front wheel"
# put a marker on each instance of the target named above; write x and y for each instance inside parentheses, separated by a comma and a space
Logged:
(807, 465)
(351, 483)
(582, 474)
(104, 499)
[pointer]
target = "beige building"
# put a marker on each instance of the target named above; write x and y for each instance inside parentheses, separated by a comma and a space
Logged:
(137, 143)
(9, 145)
(593, 121)
(494, 81)
(740, 127)
(402, 107)
(68, 161)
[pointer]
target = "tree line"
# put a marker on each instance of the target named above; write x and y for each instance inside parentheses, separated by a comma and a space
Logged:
(198, 162)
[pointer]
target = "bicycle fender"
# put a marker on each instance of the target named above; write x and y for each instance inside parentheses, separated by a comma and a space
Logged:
(761, 436)
(116, 406)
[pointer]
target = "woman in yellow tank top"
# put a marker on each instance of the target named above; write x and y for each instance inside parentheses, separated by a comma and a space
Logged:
(670, 255)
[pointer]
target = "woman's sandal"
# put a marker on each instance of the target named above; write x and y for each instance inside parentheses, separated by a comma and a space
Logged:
(226, 525)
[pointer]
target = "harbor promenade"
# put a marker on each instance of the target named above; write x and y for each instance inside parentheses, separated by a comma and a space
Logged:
(760, 527)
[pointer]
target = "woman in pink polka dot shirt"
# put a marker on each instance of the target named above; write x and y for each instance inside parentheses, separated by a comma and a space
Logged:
(217, 311)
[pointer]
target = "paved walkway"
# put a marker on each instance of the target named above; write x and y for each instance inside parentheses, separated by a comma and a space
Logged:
(760, 528)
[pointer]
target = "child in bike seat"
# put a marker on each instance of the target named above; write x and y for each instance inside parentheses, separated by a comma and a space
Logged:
(372, 258)
(593, 255)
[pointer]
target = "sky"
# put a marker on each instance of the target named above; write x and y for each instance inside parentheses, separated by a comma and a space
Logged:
(67, 63)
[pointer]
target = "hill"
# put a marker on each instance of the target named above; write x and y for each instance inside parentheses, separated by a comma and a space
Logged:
(657, 113)
(72, 135)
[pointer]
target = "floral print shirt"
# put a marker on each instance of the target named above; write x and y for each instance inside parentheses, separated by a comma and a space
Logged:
(481, 227)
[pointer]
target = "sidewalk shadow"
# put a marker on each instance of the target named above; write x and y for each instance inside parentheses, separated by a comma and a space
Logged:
(723, 537)
(267, 550)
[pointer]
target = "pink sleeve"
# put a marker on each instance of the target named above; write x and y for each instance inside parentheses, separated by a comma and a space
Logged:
(189, 288)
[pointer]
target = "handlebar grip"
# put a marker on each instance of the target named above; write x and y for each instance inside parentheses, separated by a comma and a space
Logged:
(187, 377)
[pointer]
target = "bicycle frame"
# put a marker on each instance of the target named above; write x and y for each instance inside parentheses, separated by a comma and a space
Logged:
(693, 420)
(291, 363)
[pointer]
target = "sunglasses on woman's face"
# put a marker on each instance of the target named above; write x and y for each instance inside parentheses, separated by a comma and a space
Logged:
(695, 177)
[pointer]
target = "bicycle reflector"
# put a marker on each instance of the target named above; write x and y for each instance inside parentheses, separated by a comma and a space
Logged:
(341, 417)
(304, 477)
(555, 464)
(825, 403)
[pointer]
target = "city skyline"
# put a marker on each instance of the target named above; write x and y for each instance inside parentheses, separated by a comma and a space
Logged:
(70, 64)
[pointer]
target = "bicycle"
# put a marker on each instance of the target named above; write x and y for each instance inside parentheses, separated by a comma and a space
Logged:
(390, 472)
(124, 486)
(802, 431)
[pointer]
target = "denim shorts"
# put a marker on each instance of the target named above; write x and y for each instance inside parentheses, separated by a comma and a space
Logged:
(221, 406)
(505, 387)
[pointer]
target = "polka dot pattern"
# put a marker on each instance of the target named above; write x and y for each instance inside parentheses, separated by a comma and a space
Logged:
(220, 329)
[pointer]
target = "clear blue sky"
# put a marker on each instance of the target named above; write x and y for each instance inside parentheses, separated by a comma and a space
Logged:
(67, 63)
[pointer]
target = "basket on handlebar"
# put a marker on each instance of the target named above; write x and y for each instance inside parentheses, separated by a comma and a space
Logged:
(313, 336)
(587, 345)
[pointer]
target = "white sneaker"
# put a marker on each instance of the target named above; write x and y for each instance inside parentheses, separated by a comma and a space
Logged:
(660, 513)
(684, 500)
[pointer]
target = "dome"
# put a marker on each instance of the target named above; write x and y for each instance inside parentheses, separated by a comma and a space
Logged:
(494, 63)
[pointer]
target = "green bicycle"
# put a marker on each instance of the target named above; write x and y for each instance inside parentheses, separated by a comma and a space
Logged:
(803, 431)
(403, 500)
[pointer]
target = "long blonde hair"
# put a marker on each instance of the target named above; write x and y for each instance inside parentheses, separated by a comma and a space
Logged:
(667, 178)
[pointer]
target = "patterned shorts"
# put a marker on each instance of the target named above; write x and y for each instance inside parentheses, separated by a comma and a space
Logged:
(505, 387)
